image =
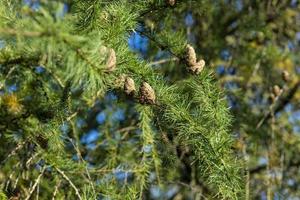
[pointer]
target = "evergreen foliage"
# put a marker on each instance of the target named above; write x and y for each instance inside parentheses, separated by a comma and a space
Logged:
(60, 63)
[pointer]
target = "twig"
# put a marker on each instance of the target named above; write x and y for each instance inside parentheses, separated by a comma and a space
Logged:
(82, 160)
(153, 9)
(269, 113)
(72, 116)
(11, 174)
(36, 183)
(270, 149)
(246, 160)
(191, 187)
(103, 170)
(58, 80)
(290, 95)
(30, 61)
(30, 159)
(23, 33)
(163, 61)
(7, 75)
(260, 168)
(159, 45)
(254, 72)
(82, 55)
(281, 104)
(126, 131)
(70, 182)
(13, 152)
(37, 191)
(16, 182)
(56, 190)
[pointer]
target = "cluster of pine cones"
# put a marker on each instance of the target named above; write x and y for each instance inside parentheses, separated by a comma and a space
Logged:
(146, 92)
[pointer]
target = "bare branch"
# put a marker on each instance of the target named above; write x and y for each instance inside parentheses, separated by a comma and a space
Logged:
(37, 180)
(13, 152)
(56, 190)
(163, 61)
(70, 182)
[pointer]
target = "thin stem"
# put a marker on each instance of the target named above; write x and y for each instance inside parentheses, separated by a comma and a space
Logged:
(158, 62)
(13, 152)
(56, 190)
(70, 182)
(270, 150)
(23, 33)
(246, 160)
(35, 184)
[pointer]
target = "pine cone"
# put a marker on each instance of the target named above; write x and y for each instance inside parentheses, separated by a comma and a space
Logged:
(120, 80)
(198, 67)
(129, 86)
(277, 90)
(147, 94)
(171, 2)
(191, 57)
(285, 76)
(111, 61)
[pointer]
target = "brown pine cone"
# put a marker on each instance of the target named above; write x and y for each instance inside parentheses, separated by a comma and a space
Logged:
(111, 61)
(147, 94)
(129, 86)
(198, 67)
(191, 57)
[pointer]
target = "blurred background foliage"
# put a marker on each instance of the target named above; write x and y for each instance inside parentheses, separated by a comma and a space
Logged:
(251, 45)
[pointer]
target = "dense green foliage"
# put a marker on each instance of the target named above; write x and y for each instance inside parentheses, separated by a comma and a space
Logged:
(62, 68)
(68, 130)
